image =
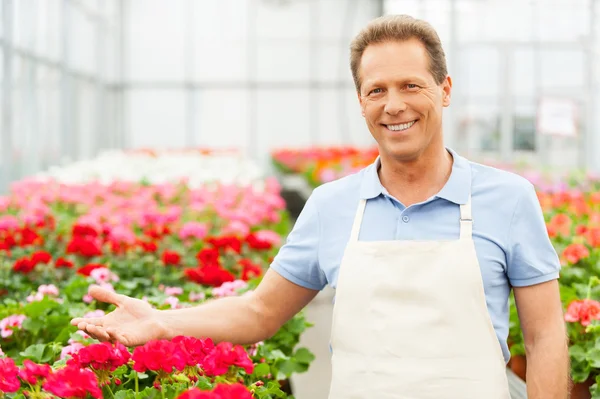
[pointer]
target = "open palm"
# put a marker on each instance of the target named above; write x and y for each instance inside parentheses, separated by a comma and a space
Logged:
(134, 322)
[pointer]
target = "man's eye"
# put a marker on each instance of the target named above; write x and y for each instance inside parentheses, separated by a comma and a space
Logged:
(375, 91)
(412, 86)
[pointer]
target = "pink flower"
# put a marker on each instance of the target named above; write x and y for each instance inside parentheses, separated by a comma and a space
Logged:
(583, 311)
(9, 323)
(9, 222)
(193, 230)
(71, 349)
(236, 227)
(173, 290)
(73, 382)
(229, 288)
(193, 297)
(50, 289)
(269, 236)
(122, 234)
(31, 371)
(173, 301)
(103, 275)
(9, 382)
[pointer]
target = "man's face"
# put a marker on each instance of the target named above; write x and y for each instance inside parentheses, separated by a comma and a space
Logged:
(400, 100)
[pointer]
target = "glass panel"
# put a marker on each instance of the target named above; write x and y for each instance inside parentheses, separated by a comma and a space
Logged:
(289, 21)
(279, 61)
(562, 69)
(221, 118)
(479, 127)
(156, 118)
(479, 71)
(155, 53)
(82, 42)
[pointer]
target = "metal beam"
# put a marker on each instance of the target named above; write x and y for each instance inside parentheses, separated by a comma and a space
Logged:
(6, 133)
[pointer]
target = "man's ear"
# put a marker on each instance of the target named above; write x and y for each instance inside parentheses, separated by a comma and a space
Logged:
(446, 91)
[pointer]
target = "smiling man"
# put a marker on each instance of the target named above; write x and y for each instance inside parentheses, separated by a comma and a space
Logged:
(423, 248)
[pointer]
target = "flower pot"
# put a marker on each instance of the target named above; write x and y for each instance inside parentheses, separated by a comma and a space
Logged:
(581, 390)
(518, 365)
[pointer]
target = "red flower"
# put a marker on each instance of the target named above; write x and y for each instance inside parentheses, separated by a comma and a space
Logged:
(8, 375)
(103, 356)
(84, 246)
(62, 262)
(87, 269)
(222, 391)
(23, 265)
(31, 371)
(159, 355)
(226, 242)
(225, 355)
(149, 247)
(29, 237)
(575, 252)
(73, 382)
(41, 257)
(250, 270)
(195, 349)
(214, 276)
(257, 243)
(171, 258)
(82, 230)
(208, 257)
(583, 311)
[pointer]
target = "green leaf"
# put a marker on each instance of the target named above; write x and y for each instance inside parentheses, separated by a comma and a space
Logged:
(593, 357)
(305, 356)
(35, 353)
(577, 353)
(33, 325)
(39, 308)
(261, 370)
(125, 394)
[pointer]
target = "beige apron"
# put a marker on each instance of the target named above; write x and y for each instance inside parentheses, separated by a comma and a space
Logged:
(410, 321)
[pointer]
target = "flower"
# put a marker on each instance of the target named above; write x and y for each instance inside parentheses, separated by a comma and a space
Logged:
(193, 230)
(221, 391)
(208, 257)
(73, 382)
(8, 376)
(575, 252)
(8, 324)
(41, 257)
(173, 290)
(103, 356)
(31, 371)
(103, 275)
(193, 297)
(229, 288)
(225, 355)
(158, 355)
(195, 349)
(583, 311)
(23, 265)
(71, 349)
(171, 258)
(209, 275)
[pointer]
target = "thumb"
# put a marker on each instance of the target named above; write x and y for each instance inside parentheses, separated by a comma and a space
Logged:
(103, 295)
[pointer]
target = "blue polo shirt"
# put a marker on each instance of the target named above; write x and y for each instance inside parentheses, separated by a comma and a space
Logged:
(511, 240)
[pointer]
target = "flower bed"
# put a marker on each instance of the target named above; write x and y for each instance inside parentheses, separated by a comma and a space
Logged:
(170, 245)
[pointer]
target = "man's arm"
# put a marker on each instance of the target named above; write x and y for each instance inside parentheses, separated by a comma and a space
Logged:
(243, 320)
(540, 313)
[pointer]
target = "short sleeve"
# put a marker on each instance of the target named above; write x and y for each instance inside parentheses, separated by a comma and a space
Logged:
(531, 257)
(298, 259)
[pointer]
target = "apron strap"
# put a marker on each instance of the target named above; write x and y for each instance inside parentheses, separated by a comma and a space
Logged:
(466, 220)
(358, 220)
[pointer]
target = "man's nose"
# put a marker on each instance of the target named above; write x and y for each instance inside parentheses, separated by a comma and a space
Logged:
(395, 104)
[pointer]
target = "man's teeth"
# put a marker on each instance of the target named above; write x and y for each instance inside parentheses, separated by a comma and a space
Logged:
(400, 127)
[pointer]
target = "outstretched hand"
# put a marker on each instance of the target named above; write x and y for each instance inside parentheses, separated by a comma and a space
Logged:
(134, 322)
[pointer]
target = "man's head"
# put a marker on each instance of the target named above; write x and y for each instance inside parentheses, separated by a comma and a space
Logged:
(399, 69)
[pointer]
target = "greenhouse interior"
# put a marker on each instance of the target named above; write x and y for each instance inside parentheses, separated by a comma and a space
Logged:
(182, 182)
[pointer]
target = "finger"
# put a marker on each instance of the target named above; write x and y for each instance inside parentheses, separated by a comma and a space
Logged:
(97, 321)
(104, 295)
(118, 336)
(97, 332)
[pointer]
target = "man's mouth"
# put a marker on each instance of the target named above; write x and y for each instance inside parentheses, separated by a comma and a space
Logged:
(401, 126)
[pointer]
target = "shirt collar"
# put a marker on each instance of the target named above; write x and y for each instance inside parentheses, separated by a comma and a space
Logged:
(456, 189)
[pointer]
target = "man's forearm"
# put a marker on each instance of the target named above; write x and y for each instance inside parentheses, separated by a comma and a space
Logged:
(548, 368)
(235, 319)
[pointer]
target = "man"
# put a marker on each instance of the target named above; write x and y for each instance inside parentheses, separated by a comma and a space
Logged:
(422, 247)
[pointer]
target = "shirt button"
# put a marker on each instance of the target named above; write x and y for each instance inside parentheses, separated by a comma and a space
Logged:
(405, 219)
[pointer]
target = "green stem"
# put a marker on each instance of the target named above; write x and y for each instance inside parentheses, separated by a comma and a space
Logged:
(137, 386)
(110, 390)
(162, 391)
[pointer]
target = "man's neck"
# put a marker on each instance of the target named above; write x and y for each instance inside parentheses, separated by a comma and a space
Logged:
(414, 181)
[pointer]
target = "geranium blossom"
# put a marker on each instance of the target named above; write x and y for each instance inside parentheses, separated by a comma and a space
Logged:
(8, 375)
(73, 382)
(10, 323)
(583, 311)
